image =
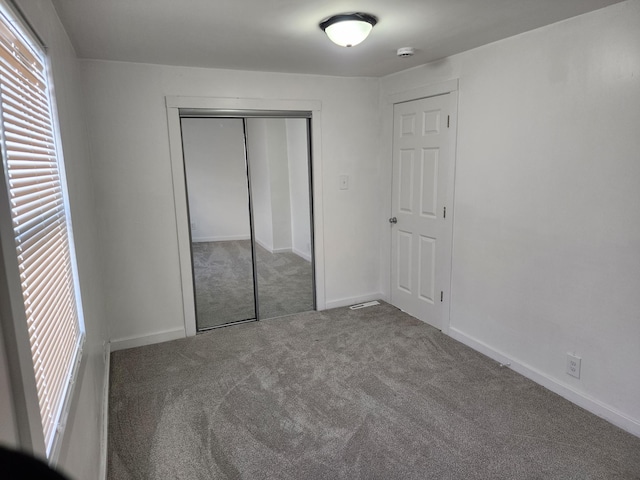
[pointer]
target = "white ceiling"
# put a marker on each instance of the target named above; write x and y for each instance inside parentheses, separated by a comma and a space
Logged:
(283, 35)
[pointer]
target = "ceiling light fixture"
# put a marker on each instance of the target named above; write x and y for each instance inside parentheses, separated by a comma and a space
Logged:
(348, 29)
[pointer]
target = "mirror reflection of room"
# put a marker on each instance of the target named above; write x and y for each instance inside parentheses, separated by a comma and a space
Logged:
(218, 197)
(278, 152)
(230, 254)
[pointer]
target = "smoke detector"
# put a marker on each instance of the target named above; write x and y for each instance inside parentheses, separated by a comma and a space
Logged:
(406, 52)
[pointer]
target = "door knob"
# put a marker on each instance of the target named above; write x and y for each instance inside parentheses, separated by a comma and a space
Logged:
(393, 220)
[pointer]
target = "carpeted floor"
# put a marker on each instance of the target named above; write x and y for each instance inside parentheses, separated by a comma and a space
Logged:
(341, 394)
(224, 283)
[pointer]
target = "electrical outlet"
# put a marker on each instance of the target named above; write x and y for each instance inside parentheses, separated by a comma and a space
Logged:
(573, 365)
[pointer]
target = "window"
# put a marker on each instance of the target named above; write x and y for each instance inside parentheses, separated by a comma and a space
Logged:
(35, 186)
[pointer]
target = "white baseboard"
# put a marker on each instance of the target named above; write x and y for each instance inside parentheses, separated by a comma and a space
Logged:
(141, 340)
(227, 238)
(302, 254)
(268, 248)
(345, 302)
(104, 428)
(271, 248)
(581, 399)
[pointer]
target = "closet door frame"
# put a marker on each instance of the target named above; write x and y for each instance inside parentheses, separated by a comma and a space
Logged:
(199, 105)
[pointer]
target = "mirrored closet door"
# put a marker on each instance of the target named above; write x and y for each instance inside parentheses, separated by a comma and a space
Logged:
(218, 197)
(248, 191)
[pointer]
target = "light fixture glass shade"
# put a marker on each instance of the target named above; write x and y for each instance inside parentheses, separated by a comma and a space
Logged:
(348, 33)
(348, 29)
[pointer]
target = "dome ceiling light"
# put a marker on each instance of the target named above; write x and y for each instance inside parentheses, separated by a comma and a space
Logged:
(348, 29)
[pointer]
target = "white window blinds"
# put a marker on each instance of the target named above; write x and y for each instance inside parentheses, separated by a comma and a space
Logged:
(40, 221)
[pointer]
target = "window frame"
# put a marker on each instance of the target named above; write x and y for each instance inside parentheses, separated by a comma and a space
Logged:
(13, 320)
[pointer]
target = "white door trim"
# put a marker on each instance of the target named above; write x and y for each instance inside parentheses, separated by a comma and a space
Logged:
(173, 104)
(425, 91)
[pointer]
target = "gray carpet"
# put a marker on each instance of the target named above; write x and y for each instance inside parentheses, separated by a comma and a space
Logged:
(224, 283)
(341, 394)
(285, 284)
(223, 277)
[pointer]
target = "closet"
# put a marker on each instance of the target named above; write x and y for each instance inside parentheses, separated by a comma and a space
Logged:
(250, 214)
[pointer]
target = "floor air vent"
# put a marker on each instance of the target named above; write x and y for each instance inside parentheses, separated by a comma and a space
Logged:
(363, 305)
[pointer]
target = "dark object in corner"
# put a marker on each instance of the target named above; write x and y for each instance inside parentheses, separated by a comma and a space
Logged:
(18, 466)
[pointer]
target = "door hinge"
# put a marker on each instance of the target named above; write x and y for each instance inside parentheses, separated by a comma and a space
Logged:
(448, 118)
(441, 296)
(444, 213)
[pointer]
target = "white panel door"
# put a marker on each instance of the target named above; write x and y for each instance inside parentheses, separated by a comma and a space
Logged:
(421, 234)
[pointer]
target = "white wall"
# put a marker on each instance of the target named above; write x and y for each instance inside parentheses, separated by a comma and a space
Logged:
(260, 184)
(216, 179)
(298, 155)
(279, 179)
(128, 133)
(81, 453)
(269, 162)
(547, 203)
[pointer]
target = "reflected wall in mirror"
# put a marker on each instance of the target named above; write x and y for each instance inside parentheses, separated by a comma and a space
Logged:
(218, 199)
(278, 157)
